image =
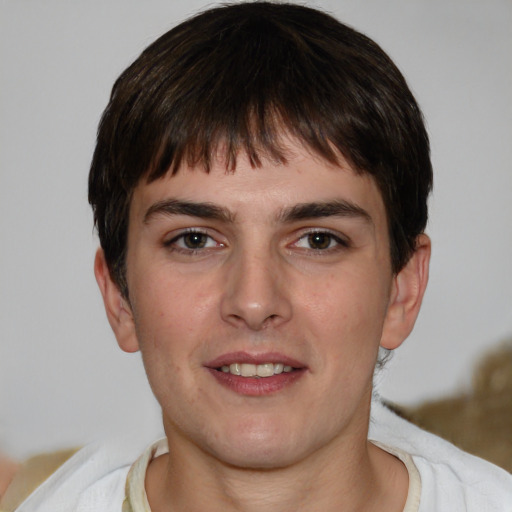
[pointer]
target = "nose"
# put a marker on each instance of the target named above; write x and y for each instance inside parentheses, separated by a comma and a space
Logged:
(255, 292)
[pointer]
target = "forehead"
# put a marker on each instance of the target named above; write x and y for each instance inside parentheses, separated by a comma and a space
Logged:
(303, 178)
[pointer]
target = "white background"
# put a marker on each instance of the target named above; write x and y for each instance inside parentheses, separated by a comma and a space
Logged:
(63, 381)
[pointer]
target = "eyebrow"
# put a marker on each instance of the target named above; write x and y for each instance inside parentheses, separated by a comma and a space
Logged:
(303, 211)
(176, 207)
(316, 210)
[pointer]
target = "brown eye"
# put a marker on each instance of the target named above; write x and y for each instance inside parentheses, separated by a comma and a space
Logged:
(192, 241)
(320, 240)
(195, 240)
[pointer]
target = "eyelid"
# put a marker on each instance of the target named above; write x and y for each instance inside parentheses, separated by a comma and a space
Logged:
(178, 234)
(342, 240)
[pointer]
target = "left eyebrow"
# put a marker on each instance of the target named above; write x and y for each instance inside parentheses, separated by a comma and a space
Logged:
(316, 210)
(172, 207)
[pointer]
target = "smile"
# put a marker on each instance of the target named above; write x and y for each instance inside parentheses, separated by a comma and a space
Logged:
(256, 374)
(256, 370)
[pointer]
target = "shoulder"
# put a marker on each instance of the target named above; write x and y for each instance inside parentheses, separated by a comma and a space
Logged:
(450, 478)
(91, 480)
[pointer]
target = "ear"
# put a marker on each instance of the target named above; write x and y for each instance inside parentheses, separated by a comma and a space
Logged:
(118, 310)
(406, 296)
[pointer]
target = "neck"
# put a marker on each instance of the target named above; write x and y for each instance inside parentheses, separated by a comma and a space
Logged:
(335, 477)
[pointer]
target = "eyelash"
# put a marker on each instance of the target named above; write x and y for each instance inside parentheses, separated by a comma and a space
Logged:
(340, 243)
(331, 238)
(172, 243)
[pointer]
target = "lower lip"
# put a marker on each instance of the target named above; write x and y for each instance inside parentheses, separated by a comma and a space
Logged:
(253, 386)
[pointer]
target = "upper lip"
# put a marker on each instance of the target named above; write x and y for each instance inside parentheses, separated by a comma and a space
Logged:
(248, 358)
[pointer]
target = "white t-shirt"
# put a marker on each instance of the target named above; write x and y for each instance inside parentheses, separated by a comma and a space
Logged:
(442, 478)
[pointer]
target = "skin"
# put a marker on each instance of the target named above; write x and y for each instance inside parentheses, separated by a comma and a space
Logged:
(261, 280)
(8, 469)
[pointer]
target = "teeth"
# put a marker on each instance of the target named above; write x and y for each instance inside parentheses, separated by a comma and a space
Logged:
(265, 370)
(256, 370)
(248, 370)
(235, 369)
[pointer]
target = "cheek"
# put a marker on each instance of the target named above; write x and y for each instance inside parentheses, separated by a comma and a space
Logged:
(169, 329)
(168, 304)
(349, 296)
(345, 311)
(173, 318)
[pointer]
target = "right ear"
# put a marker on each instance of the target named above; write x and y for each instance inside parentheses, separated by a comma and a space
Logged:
(118, 309)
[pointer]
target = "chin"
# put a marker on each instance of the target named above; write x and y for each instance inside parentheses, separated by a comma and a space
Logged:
(258, 458)
(253, 445)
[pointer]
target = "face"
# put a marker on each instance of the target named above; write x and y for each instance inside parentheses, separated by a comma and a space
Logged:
(258, 300)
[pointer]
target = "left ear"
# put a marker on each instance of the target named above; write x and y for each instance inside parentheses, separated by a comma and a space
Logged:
(406, 296)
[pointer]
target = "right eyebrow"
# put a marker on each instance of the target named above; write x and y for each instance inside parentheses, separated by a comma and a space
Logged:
(172, 207)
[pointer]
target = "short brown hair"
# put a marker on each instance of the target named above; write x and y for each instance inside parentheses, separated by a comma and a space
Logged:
(236, 77)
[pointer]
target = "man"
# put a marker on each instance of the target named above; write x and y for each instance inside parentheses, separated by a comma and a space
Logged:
(259, 186)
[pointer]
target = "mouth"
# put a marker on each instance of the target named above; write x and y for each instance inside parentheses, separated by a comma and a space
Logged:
(260, 371)
(256, 375)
